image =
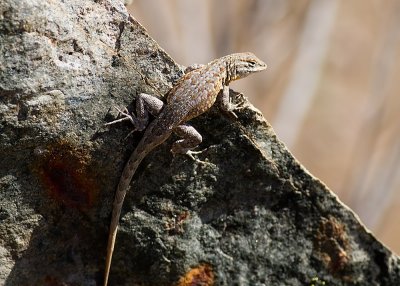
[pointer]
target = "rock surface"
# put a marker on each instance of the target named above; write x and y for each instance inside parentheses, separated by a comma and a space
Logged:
(249, 215)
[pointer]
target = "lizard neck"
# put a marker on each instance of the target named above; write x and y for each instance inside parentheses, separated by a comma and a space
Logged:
(230, 71)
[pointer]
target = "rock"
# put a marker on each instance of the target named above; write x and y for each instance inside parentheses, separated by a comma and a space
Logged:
(249, 214)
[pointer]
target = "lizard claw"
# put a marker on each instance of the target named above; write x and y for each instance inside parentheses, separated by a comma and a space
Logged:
(190, 154)
(231, 114)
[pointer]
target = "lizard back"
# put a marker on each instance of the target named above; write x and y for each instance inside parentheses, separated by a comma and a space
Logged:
(196, 91)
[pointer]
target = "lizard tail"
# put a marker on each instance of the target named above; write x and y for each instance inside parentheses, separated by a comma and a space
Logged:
(127, 174)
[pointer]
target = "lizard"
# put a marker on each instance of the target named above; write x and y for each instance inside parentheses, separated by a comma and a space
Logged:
(193, 94)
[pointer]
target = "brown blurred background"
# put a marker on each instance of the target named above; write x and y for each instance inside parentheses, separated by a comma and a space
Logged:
(331, 91)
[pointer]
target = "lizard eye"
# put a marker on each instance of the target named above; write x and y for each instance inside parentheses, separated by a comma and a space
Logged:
(252, 63)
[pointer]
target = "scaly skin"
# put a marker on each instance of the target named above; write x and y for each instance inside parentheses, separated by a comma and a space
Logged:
(192, 95)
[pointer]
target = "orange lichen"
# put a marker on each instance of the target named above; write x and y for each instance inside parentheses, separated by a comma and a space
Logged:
(63, 171)
(332, 244)
(201, 275)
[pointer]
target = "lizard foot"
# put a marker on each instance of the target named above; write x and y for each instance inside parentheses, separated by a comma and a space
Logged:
(190, 154)
(137, 123)
(127, 116)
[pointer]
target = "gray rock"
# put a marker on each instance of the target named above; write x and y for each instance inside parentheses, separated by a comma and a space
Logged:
(250, 214)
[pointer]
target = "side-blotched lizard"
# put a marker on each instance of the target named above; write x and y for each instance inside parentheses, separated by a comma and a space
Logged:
(191, 96)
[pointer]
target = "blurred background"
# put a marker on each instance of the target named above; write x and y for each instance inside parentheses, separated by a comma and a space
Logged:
(331, 90)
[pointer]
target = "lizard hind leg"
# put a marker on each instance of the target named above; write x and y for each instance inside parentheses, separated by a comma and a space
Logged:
(190, 139)
(145, 104)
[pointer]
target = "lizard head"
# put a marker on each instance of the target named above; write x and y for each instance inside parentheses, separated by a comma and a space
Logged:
(243, 64)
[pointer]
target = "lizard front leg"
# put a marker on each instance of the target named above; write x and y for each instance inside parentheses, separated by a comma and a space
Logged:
(145, 104)
(223, 101)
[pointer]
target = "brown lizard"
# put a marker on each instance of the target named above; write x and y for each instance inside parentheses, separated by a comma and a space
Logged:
(191, 96)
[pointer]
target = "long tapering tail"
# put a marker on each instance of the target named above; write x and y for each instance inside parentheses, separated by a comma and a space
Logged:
(127, 174)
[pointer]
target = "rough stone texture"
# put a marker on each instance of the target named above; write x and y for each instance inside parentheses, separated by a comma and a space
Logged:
(249, 215)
